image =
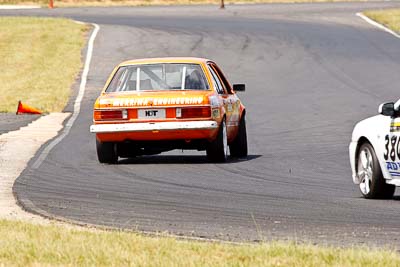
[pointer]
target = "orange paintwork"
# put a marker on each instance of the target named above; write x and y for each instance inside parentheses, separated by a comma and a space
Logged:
(158, 135)
(152, 99)
(133, 101)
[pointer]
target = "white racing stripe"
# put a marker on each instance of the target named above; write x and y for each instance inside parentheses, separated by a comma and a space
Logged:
(78, 100)
(378, 25)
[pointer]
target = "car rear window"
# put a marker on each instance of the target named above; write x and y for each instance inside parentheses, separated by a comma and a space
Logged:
(166, 76)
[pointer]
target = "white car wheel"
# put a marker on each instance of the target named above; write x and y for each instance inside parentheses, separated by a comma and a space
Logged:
(365, 169)
(372, 182)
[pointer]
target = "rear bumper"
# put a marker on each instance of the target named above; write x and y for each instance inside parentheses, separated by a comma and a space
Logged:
(157, 131)
(153, 126)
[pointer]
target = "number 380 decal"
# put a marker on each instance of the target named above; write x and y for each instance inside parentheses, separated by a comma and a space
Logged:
(392, 147)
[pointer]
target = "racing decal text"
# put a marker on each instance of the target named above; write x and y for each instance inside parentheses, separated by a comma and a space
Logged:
(392, 151)
(157, 101)
(393, 168)
(392, 147)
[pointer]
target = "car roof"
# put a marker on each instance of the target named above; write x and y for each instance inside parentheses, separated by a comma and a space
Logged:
(193, 60)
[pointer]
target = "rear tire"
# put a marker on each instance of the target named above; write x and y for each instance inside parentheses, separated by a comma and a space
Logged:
(106, 152)
(238, 148)
(217, 150)
(372, 183)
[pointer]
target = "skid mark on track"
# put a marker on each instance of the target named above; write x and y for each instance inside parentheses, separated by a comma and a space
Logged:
(197, 44)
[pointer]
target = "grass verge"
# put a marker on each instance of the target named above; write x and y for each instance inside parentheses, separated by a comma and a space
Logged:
(77, 3)
(388, 17)
(41, 59)
(24, 244)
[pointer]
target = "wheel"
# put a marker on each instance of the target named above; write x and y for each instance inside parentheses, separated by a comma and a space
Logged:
(106, 152)
(372, 183)
(238, 148)
(217, 150)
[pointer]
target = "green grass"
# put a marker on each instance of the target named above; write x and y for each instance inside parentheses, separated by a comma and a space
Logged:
(389, 17)
(41, 58)
(23, 244)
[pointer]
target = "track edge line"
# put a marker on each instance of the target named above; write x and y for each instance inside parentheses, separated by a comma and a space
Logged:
(377, 24)
(77, 105)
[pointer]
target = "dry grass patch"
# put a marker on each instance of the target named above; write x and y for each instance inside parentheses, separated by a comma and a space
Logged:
(23, 244)
(41, 58)
(388, 17)
(77, 3)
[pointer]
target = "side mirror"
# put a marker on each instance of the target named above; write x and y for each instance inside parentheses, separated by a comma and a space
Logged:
(387, 109)
(239, 87)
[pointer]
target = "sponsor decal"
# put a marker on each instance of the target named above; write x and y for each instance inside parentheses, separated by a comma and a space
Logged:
(157, 101)
(215, 101)
(392, 147)
(392, 152)
(215, 113)
(395, 127)
(393, 168)
(105, 102)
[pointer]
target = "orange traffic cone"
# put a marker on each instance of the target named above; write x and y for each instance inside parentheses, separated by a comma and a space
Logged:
(25, 109)
(51, 4)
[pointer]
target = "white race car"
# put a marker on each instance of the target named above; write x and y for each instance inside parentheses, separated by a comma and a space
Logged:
(375, 152)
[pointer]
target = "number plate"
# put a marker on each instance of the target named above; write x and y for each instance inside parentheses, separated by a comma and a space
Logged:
(151, 113)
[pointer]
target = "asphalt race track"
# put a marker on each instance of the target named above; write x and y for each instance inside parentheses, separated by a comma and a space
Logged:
(312, 71)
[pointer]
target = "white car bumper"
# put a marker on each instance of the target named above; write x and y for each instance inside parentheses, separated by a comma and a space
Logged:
(153, 126)
(352, 154)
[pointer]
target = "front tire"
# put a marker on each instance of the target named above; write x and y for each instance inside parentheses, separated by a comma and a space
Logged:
(106, 152)
(217, 150)
(238, 148)
(372, 183)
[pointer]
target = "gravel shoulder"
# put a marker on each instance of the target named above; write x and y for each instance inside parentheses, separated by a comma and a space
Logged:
(26, 141)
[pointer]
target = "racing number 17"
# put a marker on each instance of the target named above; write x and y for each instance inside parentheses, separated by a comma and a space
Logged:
(392, 147)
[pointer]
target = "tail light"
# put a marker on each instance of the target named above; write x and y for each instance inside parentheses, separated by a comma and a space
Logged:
(120, 114)
(193, 112)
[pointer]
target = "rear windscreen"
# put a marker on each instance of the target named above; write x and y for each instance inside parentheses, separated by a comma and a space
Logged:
(165, 76)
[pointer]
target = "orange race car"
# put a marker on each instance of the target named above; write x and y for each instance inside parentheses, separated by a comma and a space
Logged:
(149, 106)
